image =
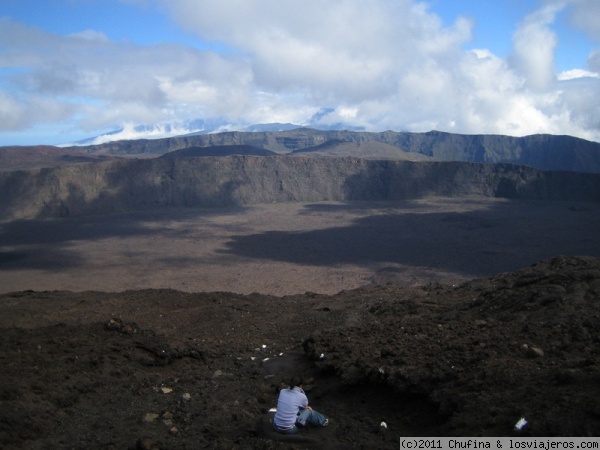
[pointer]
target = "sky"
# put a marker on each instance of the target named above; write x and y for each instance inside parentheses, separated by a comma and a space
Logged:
(74, 69)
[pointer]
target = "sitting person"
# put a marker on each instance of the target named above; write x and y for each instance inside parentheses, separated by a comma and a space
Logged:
(293, 409)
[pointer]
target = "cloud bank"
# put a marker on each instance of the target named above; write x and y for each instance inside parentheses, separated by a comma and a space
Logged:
(376, 65)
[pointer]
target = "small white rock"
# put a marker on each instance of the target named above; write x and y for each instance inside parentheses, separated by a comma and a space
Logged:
(151, 417)
(520, 424)
(383, 425)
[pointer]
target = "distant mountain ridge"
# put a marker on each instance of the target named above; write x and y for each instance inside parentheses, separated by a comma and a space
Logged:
(541, 151)
(192, 128)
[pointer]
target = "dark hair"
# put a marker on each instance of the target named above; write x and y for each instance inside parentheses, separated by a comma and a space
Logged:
(296, 381)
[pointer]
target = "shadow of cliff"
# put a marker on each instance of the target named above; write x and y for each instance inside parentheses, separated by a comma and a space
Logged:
(133, 193)
(48, 244)
(507, 236)
(45, 244)
(52, 259)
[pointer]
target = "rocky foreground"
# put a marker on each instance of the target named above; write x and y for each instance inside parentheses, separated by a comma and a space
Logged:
(167, 369)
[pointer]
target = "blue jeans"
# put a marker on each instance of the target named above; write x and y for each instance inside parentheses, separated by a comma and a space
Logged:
(310, 417)
(306, 416)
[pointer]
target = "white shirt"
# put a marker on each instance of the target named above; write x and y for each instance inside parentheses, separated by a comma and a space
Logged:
(289, 404)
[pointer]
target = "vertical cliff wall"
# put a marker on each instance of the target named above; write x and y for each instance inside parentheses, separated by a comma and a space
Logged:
(100, 188)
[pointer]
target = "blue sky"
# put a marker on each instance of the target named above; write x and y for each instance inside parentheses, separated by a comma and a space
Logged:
(71, 69)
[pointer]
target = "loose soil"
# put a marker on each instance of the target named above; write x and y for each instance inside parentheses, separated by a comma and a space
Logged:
(165, 368)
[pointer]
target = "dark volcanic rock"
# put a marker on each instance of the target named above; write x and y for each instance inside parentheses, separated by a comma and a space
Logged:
(481, 361)
(241, 180)
(439, 360)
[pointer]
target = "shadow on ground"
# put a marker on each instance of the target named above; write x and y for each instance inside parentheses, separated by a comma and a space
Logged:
(502, 236)
(462, 238)
(46, 244)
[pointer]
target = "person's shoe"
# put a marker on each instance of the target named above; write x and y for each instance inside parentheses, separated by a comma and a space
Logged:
(326, 422)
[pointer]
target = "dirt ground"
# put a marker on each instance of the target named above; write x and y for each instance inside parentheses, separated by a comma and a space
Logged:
(285, 249)
(414, 348)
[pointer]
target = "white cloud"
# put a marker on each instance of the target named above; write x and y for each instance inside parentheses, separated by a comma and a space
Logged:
(576, 73)
(332, 51)
(534, 43)
(378, 65)
(108, 83)
(394, 64)
(130, 131)
(91, 35)
(20, 113)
